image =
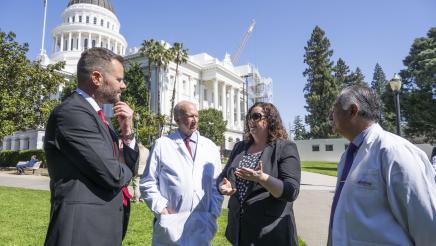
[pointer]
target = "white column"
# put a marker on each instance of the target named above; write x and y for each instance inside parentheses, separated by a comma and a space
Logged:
(116, 47)
(232, 107)
(215, 93)
(238, 108)
(99, 41)
(223, 100)
(79, 44)
(62, 42)
(53, 46)
(89, 41)
(70, 41)
(56, 43)
(200, 94)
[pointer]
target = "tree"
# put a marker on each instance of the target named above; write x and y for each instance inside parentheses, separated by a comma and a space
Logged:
(25, 87)
(320, 91)
(381, 86)
(341, 74)
(298, 130)
(379, 81)
(357, 78)
(158, 57)
(418, 107)
(69, 87)
(212, 125)
(136, 96)
(180, 56)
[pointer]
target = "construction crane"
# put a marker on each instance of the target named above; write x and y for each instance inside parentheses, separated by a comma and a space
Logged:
(235, 56)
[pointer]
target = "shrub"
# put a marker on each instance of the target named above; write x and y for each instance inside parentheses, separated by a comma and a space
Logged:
(9, 158)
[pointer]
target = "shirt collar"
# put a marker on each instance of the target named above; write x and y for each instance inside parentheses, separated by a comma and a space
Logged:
(193, 138)
(89, 99)
(359, 138)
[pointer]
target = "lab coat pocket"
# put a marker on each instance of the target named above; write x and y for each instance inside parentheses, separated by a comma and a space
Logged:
(366, 183)
(169, 228)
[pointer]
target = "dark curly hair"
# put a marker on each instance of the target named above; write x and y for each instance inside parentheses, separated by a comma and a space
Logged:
(275, 125)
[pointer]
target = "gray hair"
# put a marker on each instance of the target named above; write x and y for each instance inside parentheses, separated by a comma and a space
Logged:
(365, 98)
(95, 59)
(180, 108)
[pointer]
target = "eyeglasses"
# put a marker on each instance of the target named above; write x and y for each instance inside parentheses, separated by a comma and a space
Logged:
(256, 117)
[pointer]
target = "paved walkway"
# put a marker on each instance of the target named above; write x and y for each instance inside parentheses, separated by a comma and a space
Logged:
(312, 207)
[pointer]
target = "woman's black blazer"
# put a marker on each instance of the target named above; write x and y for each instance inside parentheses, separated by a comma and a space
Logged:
(263, 219)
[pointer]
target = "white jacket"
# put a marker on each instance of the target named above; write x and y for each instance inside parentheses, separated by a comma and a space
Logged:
(172, 179)
(389, 197)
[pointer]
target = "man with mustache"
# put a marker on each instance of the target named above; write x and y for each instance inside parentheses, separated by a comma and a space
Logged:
(88, 163)
(178, 184)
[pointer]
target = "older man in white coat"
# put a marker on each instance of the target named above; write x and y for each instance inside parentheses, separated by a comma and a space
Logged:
(178, 184)
(386, 192)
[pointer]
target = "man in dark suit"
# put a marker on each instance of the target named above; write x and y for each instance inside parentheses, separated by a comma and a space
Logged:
(88, 164)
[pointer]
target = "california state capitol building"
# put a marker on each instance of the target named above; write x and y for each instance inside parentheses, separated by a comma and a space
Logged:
(206, 81)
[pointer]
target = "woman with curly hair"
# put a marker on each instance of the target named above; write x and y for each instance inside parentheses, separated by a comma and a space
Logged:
(262, 177)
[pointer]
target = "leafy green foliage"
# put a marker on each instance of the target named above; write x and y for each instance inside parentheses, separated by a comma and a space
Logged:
(136, 96)
(212, 125)
(341, 74)
(25, 87)
(321, 89)
(418, 78)
(10, 158)
(69, 87)
(298, 131)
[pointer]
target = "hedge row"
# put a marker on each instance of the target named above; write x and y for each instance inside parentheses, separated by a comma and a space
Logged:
(10, 158)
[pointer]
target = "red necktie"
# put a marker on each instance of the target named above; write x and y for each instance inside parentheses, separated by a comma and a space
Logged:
(188, 146)
(126, 195)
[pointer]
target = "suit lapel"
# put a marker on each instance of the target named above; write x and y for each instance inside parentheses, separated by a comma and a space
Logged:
(82, 101)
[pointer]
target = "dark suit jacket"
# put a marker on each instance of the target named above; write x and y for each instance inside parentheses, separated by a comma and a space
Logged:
(263, 219)
(85, 177)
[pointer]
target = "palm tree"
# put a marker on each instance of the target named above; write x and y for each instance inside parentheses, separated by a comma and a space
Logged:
(159, 57)
(180, 56)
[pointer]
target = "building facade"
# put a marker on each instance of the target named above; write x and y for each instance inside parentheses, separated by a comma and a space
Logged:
(204, 80)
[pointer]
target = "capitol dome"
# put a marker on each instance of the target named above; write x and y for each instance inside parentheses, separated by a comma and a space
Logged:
(86, 24)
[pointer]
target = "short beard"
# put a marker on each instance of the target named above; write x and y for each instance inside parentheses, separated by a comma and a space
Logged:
(105, 95)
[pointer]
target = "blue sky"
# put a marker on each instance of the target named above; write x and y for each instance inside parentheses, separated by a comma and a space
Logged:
(360, 32)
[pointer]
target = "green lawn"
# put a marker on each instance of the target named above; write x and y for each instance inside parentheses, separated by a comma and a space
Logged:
(25, 213)
(327, 168)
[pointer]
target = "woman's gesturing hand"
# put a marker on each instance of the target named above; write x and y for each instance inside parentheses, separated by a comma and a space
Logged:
(256, 175)
(225, 187)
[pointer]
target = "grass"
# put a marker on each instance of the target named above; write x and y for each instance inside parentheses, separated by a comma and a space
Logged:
(327, 168)
(25, 213)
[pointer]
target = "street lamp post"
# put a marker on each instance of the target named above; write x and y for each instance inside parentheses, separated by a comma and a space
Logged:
(395, 84)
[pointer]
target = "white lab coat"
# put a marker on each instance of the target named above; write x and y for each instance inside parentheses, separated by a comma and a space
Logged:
(172, 179)
(389, 197)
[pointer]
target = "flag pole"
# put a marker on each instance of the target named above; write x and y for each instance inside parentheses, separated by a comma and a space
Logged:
(43, 28)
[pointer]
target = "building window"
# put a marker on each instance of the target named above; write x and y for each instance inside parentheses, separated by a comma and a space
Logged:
(85, 44)
(74, 19)
(107, 24)
(87, 19)
(80, 19)
(205, 94)
(230, 139)
(95, 20)
(102, 22)
(329, 147)
(315, 148)
(184, 85)
(93, 43)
